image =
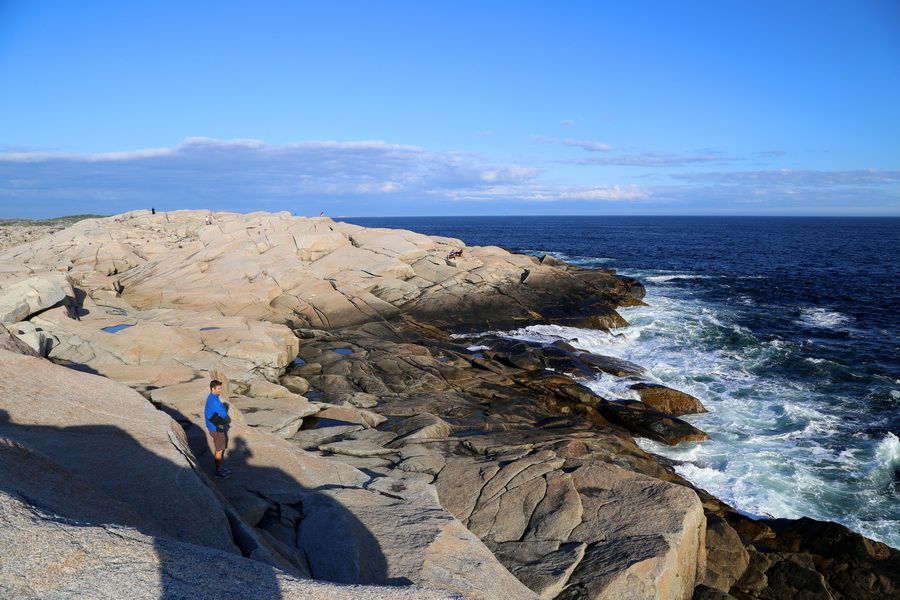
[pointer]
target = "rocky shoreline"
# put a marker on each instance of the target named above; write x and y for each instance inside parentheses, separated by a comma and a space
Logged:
(371, 447)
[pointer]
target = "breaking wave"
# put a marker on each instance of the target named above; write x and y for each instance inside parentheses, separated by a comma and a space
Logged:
(822, 318)
(784, 444)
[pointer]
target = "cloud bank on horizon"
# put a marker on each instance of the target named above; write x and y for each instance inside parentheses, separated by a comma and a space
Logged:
(645, 107)
(377, 178)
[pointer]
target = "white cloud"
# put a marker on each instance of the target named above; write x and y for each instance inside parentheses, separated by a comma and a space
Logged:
(799, 177)
(589, 145)
(373, 176)
(648, 159)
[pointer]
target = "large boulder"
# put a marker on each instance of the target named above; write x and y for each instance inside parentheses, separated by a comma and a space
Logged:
(668, 400)
(12, 343)
(20, 299)
(598, 531)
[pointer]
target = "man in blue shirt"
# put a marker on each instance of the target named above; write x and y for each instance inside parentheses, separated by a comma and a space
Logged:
(217, 422)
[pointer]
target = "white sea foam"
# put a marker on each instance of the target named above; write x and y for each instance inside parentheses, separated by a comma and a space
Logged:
(773, 449)
(887, 453)
(613, 388)
(665, 278)
(822, 318)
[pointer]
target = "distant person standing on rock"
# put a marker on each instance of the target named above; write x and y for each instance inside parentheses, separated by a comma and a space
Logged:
(217, 422)
(152, 211)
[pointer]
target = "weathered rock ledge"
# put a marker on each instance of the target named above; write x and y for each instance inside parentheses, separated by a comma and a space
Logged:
(372, 449)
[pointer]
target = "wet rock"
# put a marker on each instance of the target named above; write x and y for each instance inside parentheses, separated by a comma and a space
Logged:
(306, 370)
(727, 559)
(611, 365)
(651, 424)
(702, 592)
(527, 360)
(852, 565)
(787, 579)
(668, 400)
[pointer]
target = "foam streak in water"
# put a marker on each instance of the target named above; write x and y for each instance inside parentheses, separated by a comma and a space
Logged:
(780, 447)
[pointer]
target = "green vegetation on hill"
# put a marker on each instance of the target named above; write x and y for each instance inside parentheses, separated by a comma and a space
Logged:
(53, 222)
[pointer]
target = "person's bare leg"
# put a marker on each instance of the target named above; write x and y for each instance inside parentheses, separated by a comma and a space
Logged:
(219, 456)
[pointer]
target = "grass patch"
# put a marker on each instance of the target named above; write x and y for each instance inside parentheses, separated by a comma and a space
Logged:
(54, 222)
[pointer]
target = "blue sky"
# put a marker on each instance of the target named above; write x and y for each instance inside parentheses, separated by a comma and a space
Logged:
(400, 108)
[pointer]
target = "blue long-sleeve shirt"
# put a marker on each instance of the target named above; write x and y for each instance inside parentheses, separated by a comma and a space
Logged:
(214, 406)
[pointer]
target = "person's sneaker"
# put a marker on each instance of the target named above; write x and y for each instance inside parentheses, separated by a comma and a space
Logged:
(223, 475)
(226, 471)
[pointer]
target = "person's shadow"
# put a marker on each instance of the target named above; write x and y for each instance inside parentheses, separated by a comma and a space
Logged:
(95, 475)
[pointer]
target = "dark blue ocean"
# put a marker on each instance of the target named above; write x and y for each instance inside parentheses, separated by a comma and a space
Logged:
(788, 329)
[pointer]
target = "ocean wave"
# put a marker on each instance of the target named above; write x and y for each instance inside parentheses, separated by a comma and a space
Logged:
(665, 278)
(822, 318)
(887, 452)
(613, 388)
(779, 444)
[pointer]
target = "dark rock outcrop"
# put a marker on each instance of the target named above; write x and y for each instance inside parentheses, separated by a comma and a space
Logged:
(668, 400)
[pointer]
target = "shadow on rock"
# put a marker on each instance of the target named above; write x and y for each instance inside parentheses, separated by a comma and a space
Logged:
(307, 526)
(101, 478)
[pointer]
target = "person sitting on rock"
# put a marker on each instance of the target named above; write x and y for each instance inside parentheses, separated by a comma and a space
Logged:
(217, 422)
(524, 275)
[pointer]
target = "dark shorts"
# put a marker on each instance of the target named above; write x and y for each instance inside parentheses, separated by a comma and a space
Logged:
(220, 440)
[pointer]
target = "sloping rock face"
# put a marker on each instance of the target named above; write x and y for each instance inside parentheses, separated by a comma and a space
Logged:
(91, 450)
(49, 556)
(314, 272)
(106, 437)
